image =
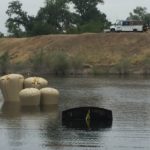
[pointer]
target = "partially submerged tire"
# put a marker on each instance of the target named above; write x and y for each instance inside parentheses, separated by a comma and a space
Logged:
(11, 85)
(35, 82)
(30, 97)
(49, 96)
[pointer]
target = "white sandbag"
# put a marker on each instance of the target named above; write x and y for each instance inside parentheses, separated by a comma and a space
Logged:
(49, 96)
(35, 82)
(30, 97)
(11, 85)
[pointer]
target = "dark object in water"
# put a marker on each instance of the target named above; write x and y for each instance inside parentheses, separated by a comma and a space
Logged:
(87, 118)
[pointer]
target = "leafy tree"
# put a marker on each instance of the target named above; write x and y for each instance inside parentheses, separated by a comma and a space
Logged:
(55, 14)
(41, 28)
(18, 22)
(85, 7)
(140, 13)
(14, 21)
(56, 17)
(90, 19)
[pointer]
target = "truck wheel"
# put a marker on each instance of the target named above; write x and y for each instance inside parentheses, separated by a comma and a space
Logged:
(112, 30)
(134, 30)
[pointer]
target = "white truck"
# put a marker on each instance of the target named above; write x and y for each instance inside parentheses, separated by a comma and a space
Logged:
(128, 26)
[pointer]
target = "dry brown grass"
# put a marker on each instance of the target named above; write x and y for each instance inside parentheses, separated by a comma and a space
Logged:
(101, 48)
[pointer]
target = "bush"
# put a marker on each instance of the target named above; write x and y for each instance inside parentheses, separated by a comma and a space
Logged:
(123, 66)
(21, 67)
(92, 26)
(58, 62)
(101, 69)
(77, 64)
(4, 62)
(38, 61)
(146, 65)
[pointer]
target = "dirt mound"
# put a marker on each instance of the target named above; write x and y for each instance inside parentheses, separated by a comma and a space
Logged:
(100, 48)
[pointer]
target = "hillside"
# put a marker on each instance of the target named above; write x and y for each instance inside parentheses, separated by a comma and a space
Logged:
(96, 49)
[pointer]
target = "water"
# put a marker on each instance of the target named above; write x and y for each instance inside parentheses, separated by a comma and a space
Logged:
(41, 129)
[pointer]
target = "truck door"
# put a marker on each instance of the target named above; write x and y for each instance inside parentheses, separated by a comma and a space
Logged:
(126, 26)
(119, 26)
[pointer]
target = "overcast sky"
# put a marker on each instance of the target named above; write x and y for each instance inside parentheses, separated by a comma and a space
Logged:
(114, 9)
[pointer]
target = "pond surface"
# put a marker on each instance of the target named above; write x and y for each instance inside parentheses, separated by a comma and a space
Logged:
(41, 128)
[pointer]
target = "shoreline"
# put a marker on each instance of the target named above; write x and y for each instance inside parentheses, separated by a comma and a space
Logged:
(98, 53)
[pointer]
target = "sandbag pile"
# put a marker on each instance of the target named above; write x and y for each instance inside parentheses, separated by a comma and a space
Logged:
(32, 91)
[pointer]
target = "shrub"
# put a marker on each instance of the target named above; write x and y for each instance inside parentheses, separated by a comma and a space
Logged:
(58, 62)
(21, 67)
(91, 26)
(146, 65)
(77, 64)
(123, 66)
(4, 62)
(101, 69)
(38, 61)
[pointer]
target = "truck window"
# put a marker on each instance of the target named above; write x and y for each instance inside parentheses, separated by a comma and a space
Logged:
(125, 23)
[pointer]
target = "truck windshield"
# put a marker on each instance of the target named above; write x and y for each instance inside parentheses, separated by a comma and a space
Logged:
(119, 22)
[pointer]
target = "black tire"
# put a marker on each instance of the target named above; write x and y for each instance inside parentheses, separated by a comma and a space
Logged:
(112, 30)
(145, 28)
(134, 30)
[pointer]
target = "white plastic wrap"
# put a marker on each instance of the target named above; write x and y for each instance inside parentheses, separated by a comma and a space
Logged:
(30, 97)
(49, 96)
(11, 85)
(35, 82)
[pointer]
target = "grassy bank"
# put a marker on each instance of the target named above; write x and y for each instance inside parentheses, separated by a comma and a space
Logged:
(102, 53)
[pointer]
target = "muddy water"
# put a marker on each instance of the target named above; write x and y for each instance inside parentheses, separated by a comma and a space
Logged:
(41, 128)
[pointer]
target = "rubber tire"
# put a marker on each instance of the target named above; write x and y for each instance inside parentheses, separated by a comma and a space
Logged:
(112, 30)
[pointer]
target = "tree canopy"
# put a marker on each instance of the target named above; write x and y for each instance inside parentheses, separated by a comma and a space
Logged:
(56, 17)
(18, 23)
(140, 13)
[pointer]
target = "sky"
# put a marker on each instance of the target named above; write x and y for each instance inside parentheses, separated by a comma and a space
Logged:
(114, 9)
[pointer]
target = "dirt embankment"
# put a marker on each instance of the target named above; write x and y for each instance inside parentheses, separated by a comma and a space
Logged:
(101, 49)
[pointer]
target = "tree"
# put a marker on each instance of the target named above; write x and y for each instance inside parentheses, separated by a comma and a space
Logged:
(56, 17)
(55, 14)
(18, 23)
(84, 8)
(14, 21)
(90, 19)
(140, 13)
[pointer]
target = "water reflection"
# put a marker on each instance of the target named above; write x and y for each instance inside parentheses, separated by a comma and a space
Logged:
(83, 125)
(64, 138)
(21, 125)
(10, 109)
(41, 129)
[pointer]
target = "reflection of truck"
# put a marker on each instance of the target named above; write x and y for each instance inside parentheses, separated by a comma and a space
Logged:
(128, 26)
